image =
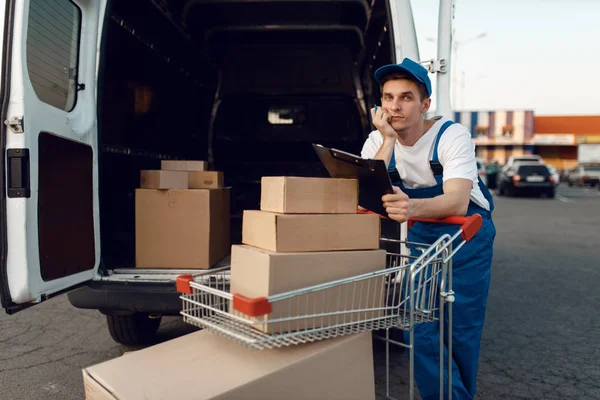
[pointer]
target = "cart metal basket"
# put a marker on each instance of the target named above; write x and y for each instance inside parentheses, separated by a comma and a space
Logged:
(412, 289)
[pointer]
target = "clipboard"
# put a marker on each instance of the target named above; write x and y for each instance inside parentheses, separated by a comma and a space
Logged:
(373, 178)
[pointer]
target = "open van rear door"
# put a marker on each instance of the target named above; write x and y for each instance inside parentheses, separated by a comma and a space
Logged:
(48, 205)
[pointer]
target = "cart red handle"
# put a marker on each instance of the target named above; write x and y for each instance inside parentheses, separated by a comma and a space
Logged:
(469, 225)
(253, 307)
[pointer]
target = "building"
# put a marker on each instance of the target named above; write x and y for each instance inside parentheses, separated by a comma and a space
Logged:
(499, 134)
(502, 133)
(556, 137)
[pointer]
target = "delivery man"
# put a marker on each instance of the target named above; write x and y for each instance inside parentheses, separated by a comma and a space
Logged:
(434, 172)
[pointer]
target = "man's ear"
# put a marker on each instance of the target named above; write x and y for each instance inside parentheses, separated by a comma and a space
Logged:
(426, 105)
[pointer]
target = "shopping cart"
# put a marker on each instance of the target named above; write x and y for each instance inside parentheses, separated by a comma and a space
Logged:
(412, 289)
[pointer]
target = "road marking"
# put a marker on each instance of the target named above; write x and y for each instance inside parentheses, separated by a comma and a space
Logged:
(563, 199)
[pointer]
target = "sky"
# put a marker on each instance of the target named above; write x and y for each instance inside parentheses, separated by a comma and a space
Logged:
(540, 55)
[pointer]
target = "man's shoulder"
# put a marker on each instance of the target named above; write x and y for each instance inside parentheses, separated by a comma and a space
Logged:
(456, 140)
(455, 131)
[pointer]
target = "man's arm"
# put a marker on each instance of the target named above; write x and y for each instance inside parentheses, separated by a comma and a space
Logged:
(381, 120)
(454, 201)
(385, 151)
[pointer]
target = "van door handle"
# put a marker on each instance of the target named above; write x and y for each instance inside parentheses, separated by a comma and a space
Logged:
(18, 173)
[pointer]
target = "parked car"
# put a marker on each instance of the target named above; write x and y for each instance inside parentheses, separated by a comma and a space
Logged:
(530, 158)
(493, 171)
(584, 175)
(530, 177)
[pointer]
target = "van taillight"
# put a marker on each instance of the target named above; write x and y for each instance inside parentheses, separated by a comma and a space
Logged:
(516, 178)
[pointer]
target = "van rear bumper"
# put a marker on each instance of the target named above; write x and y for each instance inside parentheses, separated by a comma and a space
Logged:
(161, 298)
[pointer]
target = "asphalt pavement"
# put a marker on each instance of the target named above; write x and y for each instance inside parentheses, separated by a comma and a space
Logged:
(540, 339)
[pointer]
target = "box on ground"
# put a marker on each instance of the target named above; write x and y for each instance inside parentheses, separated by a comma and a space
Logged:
(183, 165)
(310, 232)
(182, 228)
(261, 273)
(205, 179)
(156, 179)
(298, 195)
(204, 366)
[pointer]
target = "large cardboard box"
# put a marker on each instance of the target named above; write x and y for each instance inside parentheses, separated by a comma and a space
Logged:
(183, 165)
(297, 195)
(204, 366)
(156, 179)
(310, 232)
(261, 273)
(182, 228)
(206, 179)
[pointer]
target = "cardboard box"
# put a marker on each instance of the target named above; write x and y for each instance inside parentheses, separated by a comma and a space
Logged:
(157, 179)
(205, 180)
(182, 228)
(183, 165)
(261, 273)
(310, 232)
(204, 366)
(296, 195)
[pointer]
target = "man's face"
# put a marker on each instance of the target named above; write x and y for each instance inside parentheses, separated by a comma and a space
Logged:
(401, 99)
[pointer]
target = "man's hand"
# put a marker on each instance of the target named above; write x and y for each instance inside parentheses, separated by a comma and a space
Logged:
(381, 119)
(397, 205)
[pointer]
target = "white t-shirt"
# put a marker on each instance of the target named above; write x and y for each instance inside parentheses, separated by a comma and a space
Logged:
(456, 153)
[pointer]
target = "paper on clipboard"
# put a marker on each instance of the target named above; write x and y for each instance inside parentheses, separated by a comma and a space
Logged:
(373, 178)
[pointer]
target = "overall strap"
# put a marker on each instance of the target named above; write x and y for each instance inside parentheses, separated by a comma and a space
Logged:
(392, 164)
(392, 171)
(436, 166)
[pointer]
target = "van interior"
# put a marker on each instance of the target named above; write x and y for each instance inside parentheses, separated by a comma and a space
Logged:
(246, 85)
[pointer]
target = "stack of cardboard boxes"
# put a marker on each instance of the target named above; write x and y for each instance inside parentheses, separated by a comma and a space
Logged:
(182, 217)
(308, 232)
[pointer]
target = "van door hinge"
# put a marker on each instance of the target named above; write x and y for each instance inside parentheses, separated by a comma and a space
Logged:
(15, 123)
(434, 66)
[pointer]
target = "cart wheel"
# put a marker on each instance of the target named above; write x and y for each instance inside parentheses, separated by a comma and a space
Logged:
(133, 330)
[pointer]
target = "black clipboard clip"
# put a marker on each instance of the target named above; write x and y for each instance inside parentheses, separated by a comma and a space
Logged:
(372, 175)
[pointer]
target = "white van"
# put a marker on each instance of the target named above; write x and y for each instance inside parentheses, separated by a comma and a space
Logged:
(93, 91)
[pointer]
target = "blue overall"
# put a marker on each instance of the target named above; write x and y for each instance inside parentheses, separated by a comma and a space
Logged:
(471, 280)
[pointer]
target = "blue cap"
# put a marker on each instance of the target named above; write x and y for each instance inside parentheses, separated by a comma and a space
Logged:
(407, 66)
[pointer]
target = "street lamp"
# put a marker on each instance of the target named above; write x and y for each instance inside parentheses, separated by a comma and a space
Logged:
(454, 62)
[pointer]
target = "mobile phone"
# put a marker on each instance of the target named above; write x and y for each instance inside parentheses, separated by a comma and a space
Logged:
(375, 107)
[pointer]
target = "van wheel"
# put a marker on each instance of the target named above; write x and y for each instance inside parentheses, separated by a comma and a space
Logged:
(133, 330)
